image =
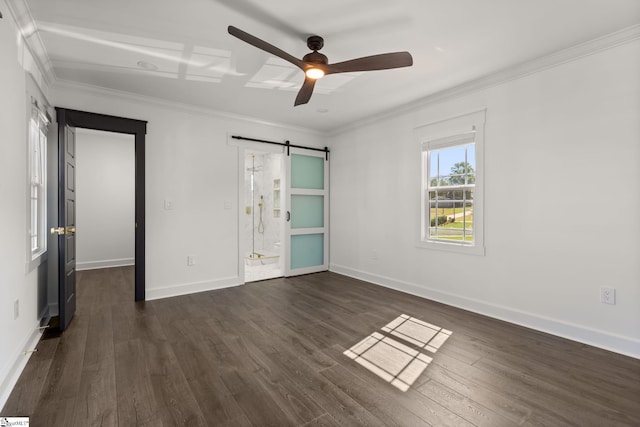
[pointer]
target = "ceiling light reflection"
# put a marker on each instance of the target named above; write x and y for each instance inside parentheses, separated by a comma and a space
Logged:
(118, 45)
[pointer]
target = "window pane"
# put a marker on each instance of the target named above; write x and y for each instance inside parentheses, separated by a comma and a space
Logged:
(450, 215)
(34, 223)
(471, 155)
(433, 166)
(452, 166)
(449, 157)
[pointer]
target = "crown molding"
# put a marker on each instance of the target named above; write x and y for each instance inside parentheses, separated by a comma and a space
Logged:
(29, 32)
(609, 41)
(187, 108)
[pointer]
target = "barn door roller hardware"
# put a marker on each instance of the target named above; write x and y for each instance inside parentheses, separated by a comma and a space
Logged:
(284, 144)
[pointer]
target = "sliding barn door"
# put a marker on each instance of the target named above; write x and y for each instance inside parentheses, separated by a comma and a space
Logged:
(307, 226)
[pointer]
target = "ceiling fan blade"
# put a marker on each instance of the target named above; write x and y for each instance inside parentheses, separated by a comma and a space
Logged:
(383, 61)
(261, 44)
(304, 95)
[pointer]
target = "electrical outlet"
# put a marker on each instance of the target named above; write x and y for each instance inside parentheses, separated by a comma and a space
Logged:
(608, 295)
(191, 260)
(16, 309)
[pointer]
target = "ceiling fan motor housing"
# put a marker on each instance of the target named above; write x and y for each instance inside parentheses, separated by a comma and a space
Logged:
(315, 42)
(316, 58)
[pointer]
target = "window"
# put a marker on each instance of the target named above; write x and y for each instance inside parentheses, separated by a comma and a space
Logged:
(37, 181)
(451, 184)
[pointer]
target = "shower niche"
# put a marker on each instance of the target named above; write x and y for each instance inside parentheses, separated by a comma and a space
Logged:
(263, 225)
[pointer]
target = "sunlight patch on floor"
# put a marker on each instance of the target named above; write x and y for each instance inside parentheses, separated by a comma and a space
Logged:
(396, 362)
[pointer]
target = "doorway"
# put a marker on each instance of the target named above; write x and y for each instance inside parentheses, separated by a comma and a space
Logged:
(68, 121)
(263, 217)
(105, 200)
(295, 198)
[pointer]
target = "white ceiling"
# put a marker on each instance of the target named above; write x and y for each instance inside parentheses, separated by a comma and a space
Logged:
(101, 43)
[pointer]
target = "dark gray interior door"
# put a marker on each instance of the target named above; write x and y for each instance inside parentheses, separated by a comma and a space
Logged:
(67, 229)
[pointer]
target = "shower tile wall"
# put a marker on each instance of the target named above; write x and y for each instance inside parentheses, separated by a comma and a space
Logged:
(267, 169)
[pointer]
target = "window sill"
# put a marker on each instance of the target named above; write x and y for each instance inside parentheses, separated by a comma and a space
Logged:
(36, 262)
(452, 247)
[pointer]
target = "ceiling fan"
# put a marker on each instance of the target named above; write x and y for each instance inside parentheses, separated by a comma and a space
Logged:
(316, 65)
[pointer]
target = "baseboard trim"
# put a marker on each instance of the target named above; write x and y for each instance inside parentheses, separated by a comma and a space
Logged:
(9, 378)
(602, 339)
(109, 263)
(191, 288)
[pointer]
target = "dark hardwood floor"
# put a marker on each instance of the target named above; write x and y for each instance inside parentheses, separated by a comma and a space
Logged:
(272, 353)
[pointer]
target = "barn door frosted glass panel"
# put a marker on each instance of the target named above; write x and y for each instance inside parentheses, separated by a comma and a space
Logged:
(307, 211)
(307, 172)
(307, 250)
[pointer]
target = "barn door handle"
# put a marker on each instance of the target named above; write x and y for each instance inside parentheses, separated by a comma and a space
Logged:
(288, 216)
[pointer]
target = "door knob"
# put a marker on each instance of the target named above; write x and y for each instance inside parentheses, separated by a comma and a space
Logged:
(71, 230)
(58, 231)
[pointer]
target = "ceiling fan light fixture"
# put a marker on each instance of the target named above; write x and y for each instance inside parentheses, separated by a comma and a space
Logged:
(315, 64)
(314, 73)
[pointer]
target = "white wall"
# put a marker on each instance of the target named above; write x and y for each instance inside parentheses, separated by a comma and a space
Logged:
(188, 161)
(16, 282)
(105, 196)
(561, 201)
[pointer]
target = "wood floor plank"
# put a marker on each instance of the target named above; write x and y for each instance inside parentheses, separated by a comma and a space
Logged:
(289, 396)
(96, 404)
(175, 401)
(463, 406)
(378, 403)
(25, 396)
(586, 412)
(250, 341)
(427, 410)
(323, 421)
(255, 400)
(136, 399)
(585, 382)
(342, 407)
(291, 340)
(62, 384)
(272, 353)
(484, 389)
(215, 401)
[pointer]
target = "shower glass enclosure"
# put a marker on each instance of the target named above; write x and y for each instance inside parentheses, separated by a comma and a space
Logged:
(263, 225)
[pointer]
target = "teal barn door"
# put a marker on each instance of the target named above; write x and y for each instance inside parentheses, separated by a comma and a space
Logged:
(307, 226)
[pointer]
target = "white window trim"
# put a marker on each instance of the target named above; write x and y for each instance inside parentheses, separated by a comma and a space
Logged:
(37, 174)
(441, 134)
